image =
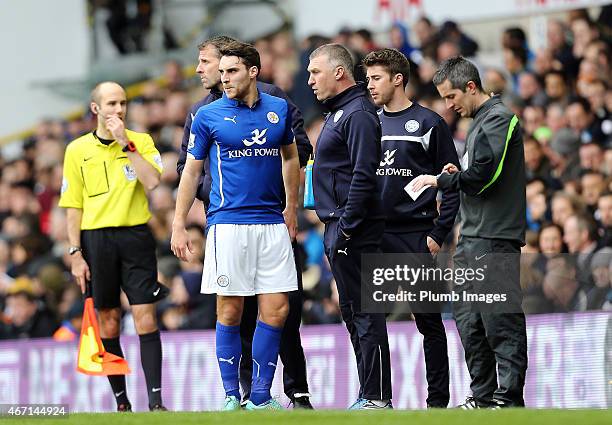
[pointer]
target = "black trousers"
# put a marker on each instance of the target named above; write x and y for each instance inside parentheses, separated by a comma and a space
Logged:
(291, 351)
(429, 324)
(495, 344)
(368, 332)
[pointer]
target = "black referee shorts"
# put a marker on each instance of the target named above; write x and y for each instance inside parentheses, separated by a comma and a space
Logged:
(122, 258)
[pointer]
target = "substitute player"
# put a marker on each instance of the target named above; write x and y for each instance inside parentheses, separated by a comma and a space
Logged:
(415, 141)
(106, 173)
(247, 136)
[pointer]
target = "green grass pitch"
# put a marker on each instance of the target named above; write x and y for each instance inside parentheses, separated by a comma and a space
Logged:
(399, 417)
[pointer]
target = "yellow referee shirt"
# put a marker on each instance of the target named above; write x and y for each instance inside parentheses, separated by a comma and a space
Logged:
(101, 180)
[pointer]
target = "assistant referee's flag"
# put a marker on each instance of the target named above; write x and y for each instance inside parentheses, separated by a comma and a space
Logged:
(93, 358)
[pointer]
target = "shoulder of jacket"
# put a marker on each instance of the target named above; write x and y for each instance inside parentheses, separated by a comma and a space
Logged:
(358, 106)
(80, 142)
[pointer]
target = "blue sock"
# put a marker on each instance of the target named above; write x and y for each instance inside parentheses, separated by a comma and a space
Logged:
(266, 342)
(229, 350)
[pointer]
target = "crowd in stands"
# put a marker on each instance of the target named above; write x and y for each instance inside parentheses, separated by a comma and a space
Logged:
(560, 93)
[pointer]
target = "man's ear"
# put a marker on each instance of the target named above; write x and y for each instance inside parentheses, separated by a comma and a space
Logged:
(94, 107)
(398, 80)
(471, 87)
(340, 71)
(253, 72)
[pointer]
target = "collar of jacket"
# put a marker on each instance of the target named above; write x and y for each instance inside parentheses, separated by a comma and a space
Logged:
(342, 98)
(487, 105)
(216, 93)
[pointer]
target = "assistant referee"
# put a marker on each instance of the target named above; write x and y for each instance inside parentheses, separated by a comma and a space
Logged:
(105, 176)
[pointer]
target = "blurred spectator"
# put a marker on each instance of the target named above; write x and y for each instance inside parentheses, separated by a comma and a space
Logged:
(561, 287)
(555, 87)
(584, 32)
(495, 81)
(71, 326)
(126, 29)
(530, 89)
(604, 211)
(515, 61)
(173, 76)
(557, 36)
(593, 185)
(564, 206)
(25, 316)
(600, 297)
(451, 32)
(537, 165)
(427, 37)
(591, 157)
(580, 234)
(515, 37)
(583, 122)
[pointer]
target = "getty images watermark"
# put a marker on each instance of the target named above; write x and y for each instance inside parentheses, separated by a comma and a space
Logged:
(393, 283)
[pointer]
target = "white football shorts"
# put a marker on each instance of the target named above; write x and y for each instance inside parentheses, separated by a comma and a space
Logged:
(248, 259)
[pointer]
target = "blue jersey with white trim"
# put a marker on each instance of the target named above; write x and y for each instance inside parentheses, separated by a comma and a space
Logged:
(244, 148)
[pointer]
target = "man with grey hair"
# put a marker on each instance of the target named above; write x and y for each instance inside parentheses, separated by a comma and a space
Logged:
(348, 202)
(493, 211)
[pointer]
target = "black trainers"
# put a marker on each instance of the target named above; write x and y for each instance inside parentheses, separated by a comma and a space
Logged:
(124, 407)
(157, 408)
(469, 404)
(302, 402)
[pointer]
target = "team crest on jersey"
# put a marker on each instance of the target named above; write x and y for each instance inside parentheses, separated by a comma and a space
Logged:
(223, 281)
(130, 172)
(411, 126)
(273, 117)
(338, 115)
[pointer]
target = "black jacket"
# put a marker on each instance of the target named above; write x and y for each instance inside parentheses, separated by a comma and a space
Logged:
(492, 182)
(297, 124)
(346, 159)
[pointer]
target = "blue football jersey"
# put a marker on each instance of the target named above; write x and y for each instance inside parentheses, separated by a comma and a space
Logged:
(244, 148)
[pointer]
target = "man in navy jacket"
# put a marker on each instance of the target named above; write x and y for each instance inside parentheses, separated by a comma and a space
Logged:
(291, 351)
(347, 201)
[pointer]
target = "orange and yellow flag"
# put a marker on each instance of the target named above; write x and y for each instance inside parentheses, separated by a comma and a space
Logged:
(93, 358)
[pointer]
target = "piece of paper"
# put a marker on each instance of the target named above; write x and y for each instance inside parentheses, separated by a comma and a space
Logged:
(414, 195)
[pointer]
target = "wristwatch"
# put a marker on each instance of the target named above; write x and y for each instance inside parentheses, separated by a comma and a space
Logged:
(130, 147)
(74, 249)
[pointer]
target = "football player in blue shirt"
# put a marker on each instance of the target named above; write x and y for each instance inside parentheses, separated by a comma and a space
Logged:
(248, 138)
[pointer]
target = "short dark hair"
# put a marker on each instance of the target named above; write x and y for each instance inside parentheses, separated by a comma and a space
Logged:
(458, 71)
(519, 53)
(558, 74)
(586, 105)
(392, 60)
(244, 51)
(587, 223)
(218, 42)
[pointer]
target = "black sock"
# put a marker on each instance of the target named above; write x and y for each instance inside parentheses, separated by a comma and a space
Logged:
(117, 381)
(151, 359)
